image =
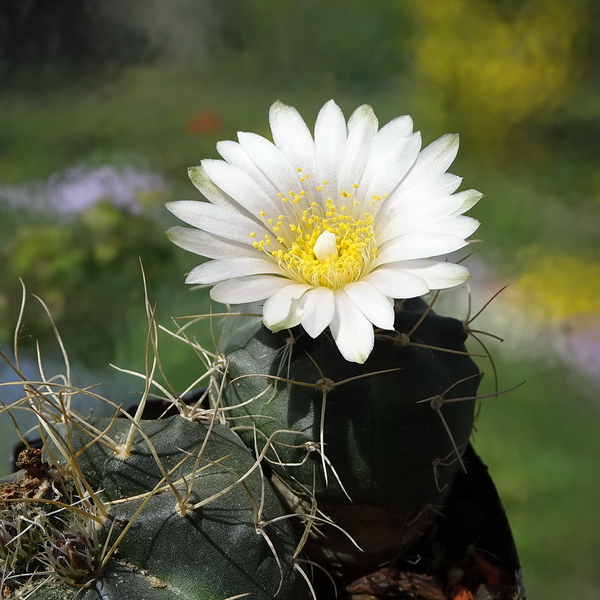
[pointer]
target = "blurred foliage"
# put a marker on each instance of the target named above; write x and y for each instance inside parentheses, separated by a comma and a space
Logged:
(82, 37)
(39, 39)
(541, 444)
(350, 43)
(87, 271)
(489, 65)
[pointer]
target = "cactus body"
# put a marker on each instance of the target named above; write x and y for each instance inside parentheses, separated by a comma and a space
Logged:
(392, 453)
(212, 552)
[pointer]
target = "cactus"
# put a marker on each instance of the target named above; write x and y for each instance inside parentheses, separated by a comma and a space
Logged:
(377, 444)
(303, 457)
(182, 512)
(202, 504)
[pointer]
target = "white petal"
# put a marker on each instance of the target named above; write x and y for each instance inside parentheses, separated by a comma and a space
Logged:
(432, 187)
(372, 302)
(278, 310)
(394, 282)
(209, 245)
(363, 115)
(428, 178)
(460, 226)
(384, 172)
(292, 137)
(228, 224)
(418, 192)
(469, 199)
(362, 127)
(418, 245)
(389, 140)
(247, 289)
(396, 131)
(235, 155)
(391, 132)
(438, 275)
(447, 219)
(439, 155)
(241, 187)
(351, 330)
(209, 190)
(294, 316)
(318, 307)
(330, 138)
(410, 217)
(271, 161)
(228, 268)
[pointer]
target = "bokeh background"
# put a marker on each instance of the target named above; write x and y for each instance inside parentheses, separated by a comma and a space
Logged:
(104, 104)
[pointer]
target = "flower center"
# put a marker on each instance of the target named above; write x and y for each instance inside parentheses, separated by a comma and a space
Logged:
(322, 244)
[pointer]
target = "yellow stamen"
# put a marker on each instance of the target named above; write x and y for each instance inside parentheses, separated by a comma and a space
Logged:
(321, 243)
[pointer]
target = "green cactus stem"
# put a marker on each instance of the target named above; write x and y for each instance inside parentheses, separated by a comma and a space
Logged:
(189, 517)
(377, 444)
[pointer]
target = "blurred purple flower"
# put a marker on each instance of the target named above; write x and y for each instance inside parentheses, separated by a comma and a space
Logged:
(581, 350)
(76, 189)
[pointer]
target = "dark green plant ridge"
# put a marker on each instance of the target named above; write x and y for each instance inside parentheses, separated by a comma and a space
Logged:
(189, 517)
(377, 444)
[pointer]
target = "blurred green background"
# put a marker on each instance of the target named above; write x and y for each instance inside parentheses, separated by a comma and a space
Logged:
(104, 105)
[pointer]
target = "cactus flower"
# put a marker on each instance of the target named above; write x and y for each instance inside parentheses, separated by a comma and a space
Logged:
(328, 229)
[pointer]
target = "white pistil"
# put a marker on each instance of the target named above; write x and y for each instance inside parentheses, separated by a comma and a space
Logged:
(325, 246)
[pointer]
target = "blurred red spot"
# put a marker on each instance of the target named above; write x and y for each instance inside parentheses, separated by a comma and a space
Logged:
(203, 123)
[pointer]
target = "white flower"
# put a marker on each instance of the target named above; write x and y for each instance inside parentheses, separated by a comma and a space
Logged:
(327, 230)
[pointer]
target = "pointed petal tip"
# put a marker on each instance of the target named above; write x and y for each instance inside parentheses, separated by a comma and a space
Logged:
(355, 357)
(279, 107)
(331, 106)
(171, 233)
(471, 198)
(277, 104)
(192, 170)
(366, 112)
(177, 207)
(449, 142)
(198, 177)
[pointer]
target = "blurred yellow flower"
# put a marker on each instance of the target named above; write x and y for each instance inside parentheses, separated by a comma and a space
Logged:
(560, 288)
(496, 67)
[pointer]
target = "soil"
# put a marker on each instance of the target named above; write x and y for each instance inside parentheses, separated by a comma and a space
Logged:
(35, 483)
